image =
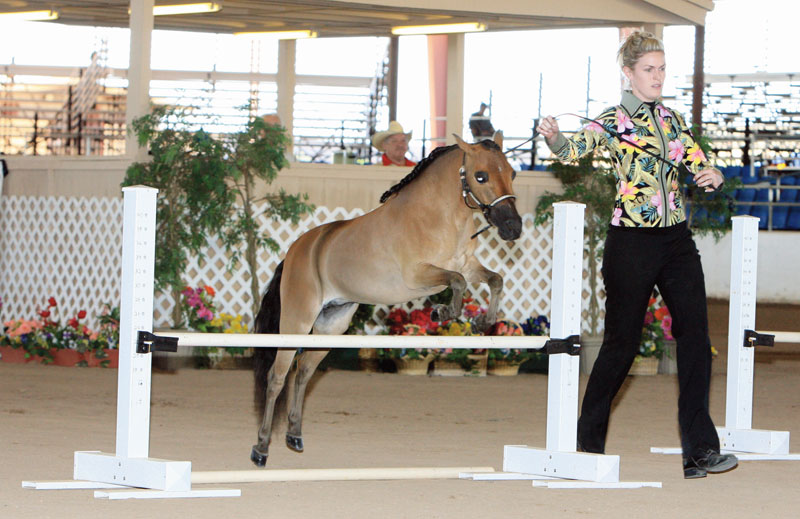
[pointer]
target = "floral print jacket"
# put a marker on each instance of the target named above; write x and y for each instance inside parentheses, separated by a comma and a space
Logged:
(647, 188)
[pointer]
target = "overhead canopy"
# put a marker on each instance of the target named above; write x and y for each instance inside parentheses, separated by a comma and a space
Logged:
(368, 18)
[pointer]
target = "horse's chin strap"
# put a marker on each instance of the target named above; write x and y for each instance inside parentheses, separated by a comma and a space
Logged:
(467, 192)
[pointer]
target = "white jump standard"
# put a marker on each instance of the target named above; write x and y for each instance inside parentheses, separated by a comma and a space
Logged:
(130, 469)
(738, 437)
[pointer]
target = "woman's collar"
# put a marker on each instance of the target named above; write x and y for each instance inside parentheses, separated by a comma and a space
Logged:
(631, 103)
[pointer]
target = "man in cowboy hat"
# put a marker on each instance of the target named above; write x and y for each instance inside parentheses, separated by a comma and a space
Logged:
(394, 145)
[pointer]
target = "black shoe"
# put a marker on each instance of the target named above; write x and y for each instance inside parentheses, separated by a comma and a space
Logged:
(711, 461)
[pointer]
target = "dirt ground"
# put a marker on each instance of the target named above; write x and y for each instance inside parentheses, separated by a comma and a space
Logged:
(358, 419)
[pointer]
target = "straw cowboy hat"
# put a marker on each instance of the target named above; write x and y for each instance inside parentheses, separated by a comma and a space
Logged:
(394, 129)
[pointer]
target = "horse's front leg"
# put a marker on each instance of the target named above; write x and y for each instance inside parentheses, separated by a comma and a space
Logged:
(275, 381)
(477, 273)
(429, 276)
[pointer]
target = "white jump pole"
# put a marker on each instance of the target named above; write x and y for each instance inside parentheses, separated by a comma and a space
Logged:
(130, 466)
(738, 436)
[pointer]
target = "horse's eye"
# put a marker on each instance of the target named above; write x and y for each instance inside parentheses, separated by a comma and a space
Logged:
(513, 174)
(482, 177)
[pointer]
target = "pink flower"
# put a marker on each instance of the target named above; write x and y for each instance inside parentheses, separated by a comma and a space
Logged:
(656, 201)
(676, 150)
(623, 122)
(594, 127)
(616, 215)
(666, 325)
(205, 313)
(627, 190)
(648, 318)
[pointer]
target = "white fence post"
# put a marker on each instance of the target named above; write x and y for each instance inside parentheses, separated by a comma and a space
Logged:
(738, 434)
(136, 313)
(741, 317)
(565, 320)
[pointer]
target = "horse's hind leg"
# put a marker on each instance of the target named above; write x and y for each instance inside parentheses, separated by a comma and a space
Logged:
(307, 363)
(332, 320)
(275, 381)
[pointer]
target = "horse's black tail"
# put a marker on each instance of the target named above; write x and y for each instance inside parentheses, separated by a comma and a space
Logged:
(268, 320)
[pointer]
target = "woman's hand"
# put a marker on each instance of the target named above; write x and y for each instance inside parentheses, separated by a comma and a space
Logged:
(548, 127)
(709, 178)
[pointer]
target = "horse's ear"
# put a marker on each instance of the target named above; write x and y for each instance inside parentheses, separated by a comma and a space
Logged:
(498, 138)
(461, 144)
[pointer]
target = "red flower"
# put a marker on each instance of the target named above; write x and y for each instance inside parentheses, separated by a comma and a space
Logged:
(210, 291)
(52, 302)
(44, 313)
(73, 322)
(81, 314)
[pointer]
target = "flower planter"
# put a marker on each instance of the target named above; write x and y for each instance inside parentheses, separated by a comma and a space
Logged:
(644, 366)
(406, 366)
(67, 357)
(668, 365)
(12, 355)
(368, 360)
(479, 365)
(503, 368)
(447, 368)
(109, 360)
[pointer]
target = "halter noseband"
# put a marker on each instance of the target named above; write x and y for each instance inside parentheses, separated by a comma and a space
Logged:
(466, 191)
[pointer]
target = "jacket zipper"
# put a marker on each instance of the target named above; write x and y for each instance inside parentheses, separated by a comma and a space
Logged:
(661, 177)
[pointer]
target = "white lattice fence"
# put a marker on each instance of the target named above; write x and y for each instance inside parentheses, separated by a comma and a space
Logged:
(66, 248)
(69, 248)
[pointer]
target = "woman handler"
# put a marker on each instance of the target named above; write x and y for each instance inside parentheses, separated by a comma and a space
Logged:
(649, 244)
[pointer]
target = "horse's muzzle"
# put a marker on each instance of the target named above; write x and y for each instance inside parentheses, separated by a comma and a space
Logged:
(505, 217)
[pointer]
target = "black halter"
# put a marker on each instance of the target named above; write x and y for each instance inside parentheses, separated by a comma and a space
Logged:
(467, 192)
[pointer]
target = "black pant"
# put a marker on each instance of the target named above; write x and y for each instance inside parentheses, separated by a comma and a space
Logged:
(634, 261)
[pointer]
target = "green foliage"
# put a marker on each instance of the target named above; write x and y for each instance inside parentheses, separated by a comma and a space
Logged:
(190, 170)
(360, 319)
(590, 181)
(207, 186)
(709, 212)
(256, 155)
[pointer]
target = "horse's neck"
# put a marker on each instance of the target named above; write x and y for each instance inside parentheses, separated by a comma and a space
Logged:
(437, 193)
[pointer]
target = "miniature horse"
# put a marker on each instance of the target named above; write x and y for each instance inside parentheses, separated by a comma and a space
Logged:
(417, 243)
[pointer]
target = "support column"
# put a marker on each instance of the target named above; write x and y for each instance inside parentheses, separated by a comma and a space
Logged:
(437, 84)
(138, 97)
(394, 63)
(698, 79)
(455, 86)
(287, 81)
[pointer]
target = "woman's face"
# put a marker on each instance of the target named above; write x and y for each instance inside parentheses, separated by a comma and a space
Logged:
(647, 76)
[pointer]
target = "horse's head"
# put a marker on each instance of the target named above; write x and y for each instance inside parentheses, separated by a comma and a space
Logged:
(486, 180)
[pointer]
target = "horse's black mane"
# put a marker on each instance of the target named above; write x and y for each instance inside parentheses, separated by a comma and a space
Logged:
(424, 163)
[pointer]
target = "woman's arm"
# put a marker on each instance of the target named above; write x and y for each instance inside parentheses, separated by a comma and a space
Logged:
(583, 142)
(703, 172)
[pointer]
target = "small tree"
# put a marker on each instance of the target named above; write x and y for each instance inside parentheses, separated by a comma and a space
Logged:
(189, 169)
(258, 153)
(590, 181)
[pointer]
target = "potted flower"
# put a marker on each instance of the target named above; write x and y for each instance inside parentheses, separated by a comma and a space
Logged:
(23, 341)
(104, 343)
(506, 362)
(409, 361)
(656, 330)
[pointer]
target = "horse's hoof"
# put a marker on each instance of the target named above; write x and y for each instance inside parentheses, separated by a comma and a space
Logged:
(257, 457)
(294, 442)
(439, 313)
